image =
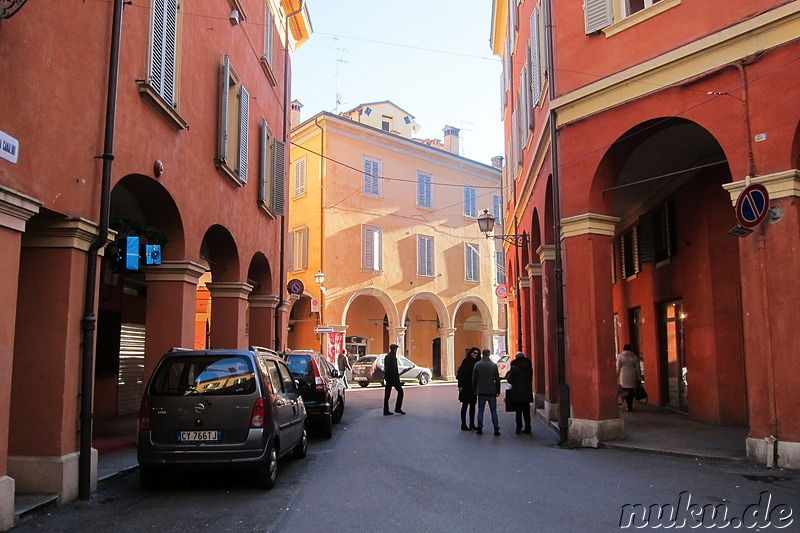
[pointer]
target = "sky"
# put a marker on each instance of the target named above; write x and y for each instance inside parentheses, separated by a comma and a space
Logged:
(432, 58)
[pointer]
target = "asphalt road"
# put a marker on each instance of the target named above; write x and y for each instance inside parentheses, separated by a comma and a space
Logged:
(421, 473)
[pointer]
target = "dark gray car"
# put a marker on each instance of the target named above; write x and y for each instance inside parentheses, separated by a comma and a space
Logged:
(229, 409)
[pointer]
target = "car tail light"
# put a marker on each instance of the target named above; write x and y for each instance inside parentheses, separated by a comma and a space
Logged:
(259, 417)
(319, 385)
(144, 416)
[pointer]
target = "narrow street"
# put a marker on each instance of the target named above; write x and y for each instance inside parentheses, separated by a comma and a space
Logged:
(419, 472)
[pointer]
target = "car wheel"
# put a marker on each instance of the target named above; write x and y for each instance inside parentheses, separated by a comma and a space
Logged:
(338, 412)
(301, 450)
(326, 426)
(364, 384)
(268, 472)
(150, 478)
(424, 378)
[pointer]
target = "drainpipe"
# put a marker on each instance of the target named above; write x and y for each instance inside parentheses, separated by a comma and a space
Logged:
(281, 288)
(89, 320)
(563, 387)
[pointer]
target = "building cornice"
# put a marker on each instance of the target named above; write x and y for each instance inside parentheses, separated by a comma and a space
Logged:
(784, 184)
(16, 208)
(588, 224)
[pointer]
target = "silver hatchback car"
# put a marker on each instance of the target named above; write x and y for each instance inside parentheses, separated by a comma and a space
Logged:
(212, 409)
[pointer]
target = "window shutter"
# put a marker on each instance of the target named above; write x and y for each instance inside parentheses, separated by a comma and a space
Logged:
(469, 202)
(371, 180)
(269, 27)
(423, 190)
(290, 250)
(598, 13)
(368, 253)
(263, 163)
(304, 248)
(300, 176)
(421, 253)
(647, 234)
(222, 144)
(244, 123)
(162, 57)
(497, 204)
(278, 173)
(536, 60)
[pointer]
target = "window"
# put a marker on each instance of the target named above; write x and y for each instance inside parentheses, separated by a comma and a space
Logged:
(425, 255)
(163, 53)
(267, 63)
(234, 106)
(300, 176)
(271, 171)
(371, 252)
(500, 267)
(372, 172)
(634, 6)
(297, 249)
(472, 267)
(424, 190)
(470, 208)
(497, 209)
(386, 123)
(600, 15)
(536, 71)
(629, 253)
(656, 235)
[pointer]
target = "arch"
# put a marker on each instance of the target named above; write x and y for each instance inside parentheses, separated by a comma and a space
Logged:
(259, 275)
(435, 301)
(219, 251)
(382, 297)
(483, 309)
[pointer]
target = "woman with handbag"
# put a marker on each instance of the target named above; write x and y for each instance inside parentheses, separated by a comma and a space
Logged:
(629, 374)
(520, 395)
(466, 395)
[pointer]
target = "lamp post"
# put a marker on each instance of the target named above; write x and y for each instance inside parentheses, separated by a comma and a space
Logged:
(319, 278)
(486, 225)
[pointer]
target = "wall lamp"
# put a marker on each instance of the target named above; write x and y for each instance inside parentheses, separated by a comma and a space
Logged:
(486, 225)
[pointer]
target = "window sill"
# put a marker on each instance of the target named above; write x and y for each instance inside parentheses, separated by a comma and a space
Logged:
(374, 196)
(161, 106)
(640, 16)
(228, 172)
(268, 72)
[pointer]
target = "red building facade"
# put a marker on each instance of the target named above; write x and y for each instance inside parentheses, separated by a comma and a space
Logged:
(193, 141)
(661, 113)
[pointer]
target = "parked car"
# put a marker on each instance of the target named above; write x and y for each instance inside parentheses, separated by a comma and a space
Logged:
(321, 386)
(369, 369)
(220, 409)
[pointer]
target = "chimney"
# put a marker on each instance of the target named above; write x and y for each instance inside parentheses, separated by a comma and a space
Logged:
(451, 140)
(497, 162)
(294, 118)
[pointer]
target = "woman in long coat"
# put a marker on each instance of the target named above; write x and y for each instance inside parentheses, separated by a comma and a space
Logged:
(466, 395)
(629, 375)
(520, 377)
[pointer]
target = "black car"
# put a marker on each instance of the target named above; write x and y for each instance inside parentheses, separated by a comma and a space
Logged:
(220, 409)
(322, 388)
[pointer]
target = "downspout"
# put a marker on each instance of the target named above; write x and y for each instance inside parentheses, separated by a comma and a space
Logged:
(322, 295)
(89, 320)
(563, 387)
(281, 288)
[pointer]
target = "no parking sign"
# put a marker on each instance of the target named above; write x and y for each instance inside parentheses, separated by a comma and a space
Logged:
(752, 205)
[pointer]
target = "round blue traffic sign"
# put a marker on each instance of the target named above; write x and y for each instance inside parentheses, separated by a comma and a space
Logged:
(752, 205)
(295, 286)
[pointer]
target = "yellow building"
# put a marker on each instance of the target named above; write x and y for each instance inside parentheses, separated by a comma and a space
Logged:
(391, 223)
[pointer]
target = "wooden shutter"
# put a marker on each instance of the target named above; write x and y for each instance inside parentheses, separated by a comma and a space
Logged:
(222, 140)
(371, 180)
(647, 235)
(244, 122)
(300, 176)
(290, 251)
(536, 61)
(371, 248)
(598, 14)
(303, 248)
(162, 55)
(278, 174)
(269, 29)
(423, 189)
(263, 163)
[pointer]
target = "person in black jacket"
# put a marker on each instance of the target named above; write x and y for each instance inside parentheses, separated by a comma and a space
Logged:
(520, 377)
(466, 395)
(391, 376)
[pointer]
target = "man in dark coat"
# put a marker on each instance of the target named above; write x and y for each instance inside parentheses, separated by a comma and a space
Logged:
(391, 376)
(520, 377)
(486, 384)
(466, 395)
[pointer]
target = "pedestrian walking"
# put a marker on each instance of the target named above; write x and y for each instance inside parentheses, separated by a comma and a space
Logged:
(520, 377)
(629, 374)
(391, 376)
(486, 384)
(344, 365)
(466, 394)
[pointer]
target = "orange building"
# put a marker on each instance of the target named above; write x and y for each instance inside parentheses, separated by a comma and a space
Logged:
(164, 122)
(633, 140)
(390, 220)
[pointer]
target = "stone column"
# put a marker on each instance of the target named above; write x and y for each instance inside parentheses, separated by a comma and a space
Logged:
(229, 313)
(15, 210)
(171, 298)
(591, 372)
(448, 352)
(536, 324)
(262, 320)
(547, 256)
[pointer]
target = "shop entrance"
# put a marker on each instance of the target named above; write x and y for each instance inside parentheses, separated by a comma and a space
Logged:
(673, 357)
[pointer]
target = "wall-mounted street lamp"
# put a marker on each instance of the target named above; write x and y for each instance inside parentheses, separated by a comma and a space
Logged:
(319, 278)
(486, 225)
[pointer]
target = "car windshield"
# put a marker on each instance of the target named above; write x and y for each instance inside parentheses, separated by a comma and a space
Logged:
(503, 359)
(215, 375)
(300, 365)
(366, 360)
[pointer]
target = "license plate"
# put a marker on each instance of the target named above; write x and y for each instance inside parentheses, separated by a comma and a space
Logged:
(199, 436)
(357, 378)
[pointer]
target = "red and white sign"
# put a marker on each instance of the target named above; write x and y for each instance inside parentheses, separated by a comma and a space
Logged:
(752, 205)
(501, 291)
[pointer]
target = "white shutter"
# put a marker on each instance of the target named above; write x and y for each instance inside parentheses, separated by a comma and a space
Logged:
(536, 60)
(164, 43)
(304, 248)
(263, 163)
(598, 13)
(278, 173)
(244, 122)
(300, 176)
(290, 251)
(224, 77)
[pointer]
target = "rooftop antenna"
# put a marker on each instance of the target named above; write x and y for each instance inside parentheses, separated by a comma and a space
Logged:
(339, 60)
(462, 129)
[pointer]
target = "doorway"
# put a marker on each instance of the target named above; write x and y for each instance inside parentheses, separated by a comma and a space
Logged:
(673, 357)
(437, 357)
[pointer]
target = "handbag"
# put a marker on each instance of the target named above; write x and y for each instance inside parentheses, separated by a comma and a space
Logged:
(507, 401)
(640, 393)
